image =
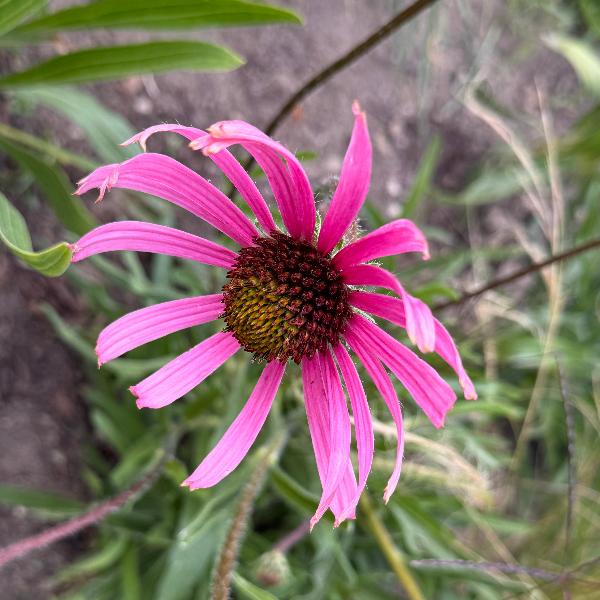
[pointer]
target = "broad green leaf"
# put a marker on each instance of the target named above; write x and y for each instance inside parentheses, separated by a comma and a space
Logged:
(46, 503)
(55, 184)
(51, 262)
(190, 559)
(583, 58)
(114, 62)
(13, 12)
(161, 14)
(104, 129)
(422, 181)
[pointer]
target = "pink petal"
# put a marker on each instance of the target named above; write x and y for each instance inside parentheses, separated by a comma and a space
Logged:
(352, 188)
(388, 393)
(288, 180)
(362, 420)
(151, 323)
(343, 503)
(392, 309)
(240, 436)
(329, 426)
(429, 390)
(185, 372)
(148, 237)
(226, 162)
(420, 324)
(166, 178)
(397, 237)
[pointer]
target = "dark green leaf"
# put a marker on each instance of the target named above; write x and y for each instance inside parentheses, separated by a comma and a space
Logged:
(51, 262)
(13, 12)
(114, 62)
(56, 186)
(161, 14)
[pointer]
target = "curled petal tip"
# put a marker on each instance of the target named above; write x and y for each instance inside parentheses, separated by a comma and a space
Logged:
(356, 109)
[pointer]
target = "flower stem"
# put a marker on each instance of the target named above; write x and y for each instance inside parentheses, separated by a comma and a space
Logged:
(392, 553)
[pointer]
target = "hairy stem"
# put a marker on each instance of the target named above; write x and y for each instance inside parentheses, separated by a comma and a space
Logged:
(91, 517)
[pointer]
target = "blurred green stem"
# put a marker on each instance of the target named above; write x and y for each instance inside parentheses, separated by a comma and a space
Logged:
(391, 552)
(64, 157)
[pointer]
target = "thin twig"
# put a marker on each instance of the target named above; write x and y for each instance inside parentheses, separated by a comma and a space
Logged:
(351, 56)
(519, 273)
(535, 573)
(75, 525)
(292, 538)
(486, 566)
(338, 65)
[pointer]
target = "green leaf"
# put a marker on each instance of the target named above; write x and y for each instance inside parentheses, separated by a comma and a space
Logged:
(13, 12)
(56, 186)
(104, 128)
(51, 262)
(190, 559)
(591, 12)
(248, 590)
(422, 180)
(46, 503)
(161, 14)
(110, 552)
(114, 62)
(583, 58)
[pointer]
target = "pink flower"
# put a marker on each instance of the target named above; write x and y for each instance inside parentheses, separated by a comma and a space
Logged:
(290, 295)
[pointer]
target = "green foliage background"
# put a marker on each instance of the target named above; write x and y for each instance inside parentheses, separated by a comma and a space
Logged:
(492, 486)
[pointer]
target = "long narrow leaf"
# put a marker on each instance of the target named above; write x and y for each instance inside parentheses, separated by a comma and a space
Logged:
(13, 12)
(114, 62)
(161, 14)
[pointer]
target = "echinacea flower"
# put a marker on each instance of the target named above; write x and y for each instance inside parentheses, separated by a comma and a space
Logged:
(290, 294)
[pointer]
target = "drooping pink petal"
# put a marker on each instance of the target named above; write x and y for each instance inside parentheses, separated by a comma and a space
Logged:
(185, 372)
(397, 237)
(343, 503)
(236, 441)
(392, 309)
(288, 180)
(434, 396)
(388, 393)
(149, 237)
(166, 178)
(420, 324)
(352, 188)
(362, 420)
(151, 323)
(329, 425)
(226, 162)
